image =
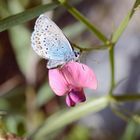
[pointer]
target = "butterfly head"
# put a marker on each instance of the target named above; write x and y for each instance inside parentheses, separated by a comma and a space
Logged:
(77, 55)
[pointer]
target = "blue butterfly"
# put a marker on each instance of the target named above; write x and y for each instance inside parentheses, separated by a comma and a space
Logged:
(49, 42)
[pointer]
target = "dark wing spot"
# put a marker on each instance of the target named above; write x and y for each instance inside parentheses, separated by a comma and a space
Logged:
(83, 67)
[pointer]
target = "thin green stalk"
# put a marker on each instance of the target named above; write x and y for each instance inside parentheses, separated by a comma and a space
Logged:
(126, 114)
(25, 16)
(124, 23)
(115, 37)
(85, 21)
(123, 113)
(111, 60)
(97, 47)
(126, 98)
(120, 114)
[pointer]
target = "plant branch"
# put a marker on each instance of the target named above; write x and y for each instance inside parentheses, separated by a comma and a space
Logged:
(97, 47)
(85, 21)
(112, 69)
(126, 98)
(124, 23)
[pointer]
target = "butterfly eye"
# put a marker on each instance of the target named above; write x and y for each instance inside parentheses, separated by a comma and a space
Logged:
(76, 53)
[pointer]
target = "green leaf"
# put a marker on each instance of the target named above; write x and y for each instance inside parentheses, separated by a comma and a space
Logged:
(4, 104)
(45, 94)
(25, 16)
(66, 117)
(131, 132)
(79, 132)
(20, 39)
(21, 43)
(136, 5)
(3, 9)
(11, 124)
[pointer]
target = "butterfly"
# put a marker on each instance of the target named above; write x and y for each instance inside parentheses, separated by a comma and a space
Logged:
(49, 42)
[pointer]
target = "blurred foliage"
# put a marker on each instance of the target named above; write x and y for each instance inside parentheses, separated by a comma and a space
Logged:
(132, 131)
(79, 132)
(44, 94)
(65, 117)
(28, 107)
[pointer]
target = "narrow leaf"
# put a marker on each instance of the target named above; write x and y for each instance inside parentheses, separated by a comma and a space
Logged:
(44, 94)
(64, 118)
(25, 16)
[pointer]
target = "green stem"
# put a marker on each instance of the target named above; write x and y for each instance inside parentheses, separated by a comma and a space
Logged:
(125, 114)
(111, 59)
(85, 21)
(115, 37)
(120, 114)
(124, 23)
(66, 117)
(25, 16)
(125, 98)
(97, 47)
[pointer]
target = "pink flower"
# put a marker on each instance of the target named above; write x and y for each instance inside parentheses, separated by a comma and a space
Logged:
(70, 80)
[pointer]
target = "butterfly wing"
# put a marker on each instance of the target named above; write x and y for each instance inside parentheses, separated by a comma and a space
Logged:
(49, 42)
(54, 63)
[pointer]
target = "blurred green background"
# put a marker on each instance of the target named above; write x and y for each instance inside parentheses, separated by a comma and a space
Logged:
(26, 100)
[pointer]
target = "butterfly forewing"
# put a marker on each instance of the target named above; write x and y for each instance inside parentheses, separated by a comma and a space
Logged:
(49, 42)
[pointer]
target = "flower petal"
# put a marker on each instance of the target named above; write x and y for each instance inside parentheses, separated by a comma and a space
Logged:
(79, 75)
(69, 101)
(57, 82)
(77, 96)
